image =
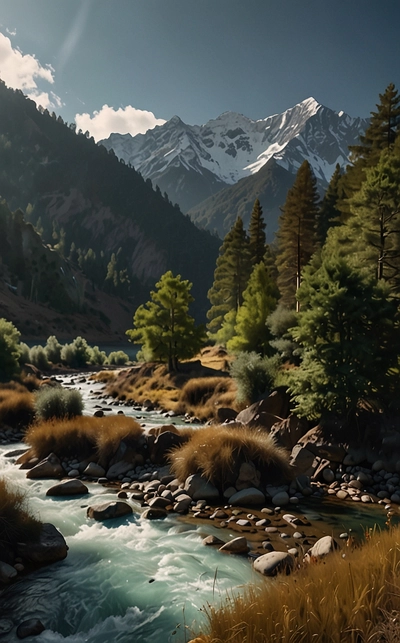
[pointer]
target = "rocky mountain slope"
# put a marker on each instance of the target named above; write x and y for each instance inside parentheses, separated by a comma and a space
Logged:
(97, 207)
(194, 163)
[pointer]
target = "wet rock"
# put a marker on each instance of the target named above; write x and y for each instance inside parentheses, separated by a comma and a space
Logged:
(182, 504)
(163, 444)
(198, 488)
(109, 510)
(212, 540)
(94, 470)
(50, 467)
(7, 572)
(159, 502)
(281, 499)
(118, 469)
(32, 627)
(68, 488)
(5, 626)
(155, 513)
(273, 563)
(50, 547)
(247, 497)
(236, 546)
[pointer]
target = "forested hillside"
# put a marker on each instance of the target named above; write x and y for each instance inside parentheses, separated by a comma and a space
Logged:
(98, 213)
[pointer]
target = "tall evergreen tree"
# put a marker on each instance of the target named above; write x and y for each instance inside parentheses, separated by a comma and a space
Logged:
(375, 225)
(380, 135)
(349, 350)
(230, 277)
(257, 237)
(259, 300)
(329, 213)
(163, 326)
(297, 233)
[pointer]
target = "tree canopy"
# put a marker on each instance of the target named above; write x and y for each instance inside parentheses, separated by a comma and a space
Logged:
(163, 326)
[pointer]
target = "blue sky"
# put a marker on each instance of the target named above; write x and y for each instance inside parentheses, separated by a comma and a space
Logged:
(150, 59)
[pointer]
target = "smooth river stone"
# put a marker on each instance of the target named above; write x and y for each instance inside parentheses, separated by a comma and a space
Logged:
(236, 546)
(274, 562)
(109, 510)
(68, 488)
(246, 497)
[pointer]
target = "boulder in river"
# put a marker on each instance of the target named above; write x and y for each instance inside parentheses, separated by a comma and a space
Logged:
(50, 547)
(31, 627)
(199, 488)
(108, 510)
(50, 467)
(68, 488)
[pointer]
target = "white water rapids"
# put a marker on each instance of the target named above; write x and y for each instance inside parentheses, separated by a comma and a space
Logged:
(129, 580)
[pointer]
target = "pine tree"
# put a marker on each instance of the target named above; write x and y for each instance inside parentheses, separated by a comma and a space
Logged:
(329, 213)
(380, 135)
(382, 130)
(230, 277)
(349, 336)
(297, 233)
(163, 326)
(257, 234)
(375, 225)
(259, 300)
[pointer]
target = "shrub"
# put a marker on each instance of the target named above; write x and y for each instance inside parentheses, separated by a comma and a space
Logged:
(16, 523)
(118, 358)
(38, 357)
(83, 436)
(16, 406)
(279, 323)
(53, 349)
(9, 350)
(216, 452)
(343, 599)
(76, 354)
(96, 356)
(254, 375)
(57, 402)
(24, 354)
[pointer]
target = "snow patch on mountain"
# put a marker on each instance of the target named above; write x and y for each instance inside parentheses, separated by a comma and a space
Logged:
(233, 146)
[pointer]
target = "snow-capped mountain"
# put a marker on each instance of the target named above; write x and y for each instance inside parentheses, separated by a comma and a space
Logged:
(192, 162)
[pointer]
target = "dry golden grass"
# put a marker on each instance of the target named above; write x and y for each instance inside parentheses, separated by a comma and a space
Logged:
(194, 389)
(16, 523)
(82, 435)
(351, 599)
(216, 452)
(16, 406)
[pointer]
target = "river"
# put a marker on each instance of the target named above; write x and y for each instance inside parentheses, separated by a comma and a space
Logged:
(130, 580)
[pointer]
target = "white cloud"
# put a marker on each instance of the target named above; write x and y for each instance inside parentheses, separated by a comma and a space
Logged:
(127, 120)
(21, 71)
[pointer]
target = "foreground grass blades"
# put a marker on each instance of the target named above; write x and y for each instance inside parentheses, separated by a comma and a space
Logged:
(217, 451)
(344, 598)
(16, 523)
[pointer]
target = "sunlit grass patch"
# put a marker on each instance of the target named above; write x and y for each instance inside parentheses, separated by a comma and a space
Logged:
(338, 600)
(16, 406)
(216, 452)
(82, 435)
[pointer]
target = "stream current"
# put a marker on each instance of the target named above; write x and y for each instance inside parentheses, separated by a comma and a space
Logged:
(129, 580)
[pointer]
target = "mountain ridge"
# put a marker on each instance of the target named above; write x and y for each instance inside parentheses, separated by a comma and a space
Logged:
(194, 162)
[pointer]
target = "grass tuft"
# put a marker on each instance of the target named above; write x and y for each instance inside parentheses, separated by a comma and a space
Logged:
(16, 406)
(57, 402)
(351, 598)
(16, 523)
(216, 452)
(83, 436)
